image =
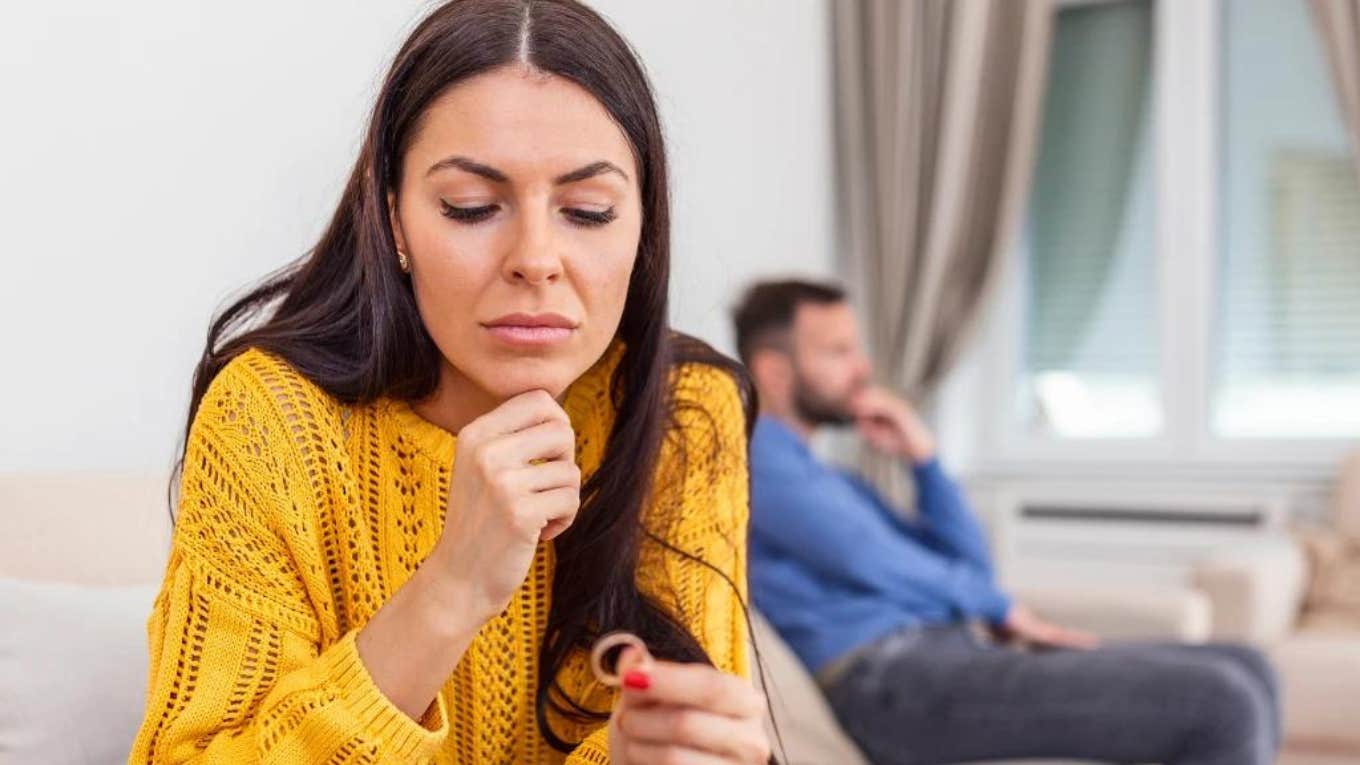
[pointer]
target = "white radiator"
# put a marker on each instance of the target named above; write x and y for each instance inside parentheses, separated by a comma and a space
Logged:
(1071, 534)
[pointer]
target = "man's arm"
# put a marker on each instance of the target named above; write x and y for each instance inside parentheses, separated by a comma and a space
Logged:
(947, 518)
(947, 524)
(831, 527)
(946, 521)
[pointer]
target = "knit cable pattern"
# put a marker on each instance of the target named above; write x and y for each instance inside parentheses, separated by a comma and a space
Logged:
(299, 517)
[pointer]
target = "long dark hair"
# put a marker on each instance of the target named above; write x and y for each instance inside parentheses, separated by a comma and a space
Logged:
(344, 315)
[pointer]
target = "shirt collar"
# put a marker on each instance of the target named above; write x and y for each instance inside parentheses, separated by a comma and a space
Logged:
(780, 437)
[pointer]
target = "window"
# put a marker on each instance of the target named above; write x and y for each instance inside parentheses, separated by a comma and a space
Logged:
(1190, 258)
(1090, 265)
(1289, 297)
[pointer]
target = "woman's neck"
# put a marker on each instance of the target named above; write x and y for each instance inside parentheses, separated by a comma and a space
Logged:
(455, 402)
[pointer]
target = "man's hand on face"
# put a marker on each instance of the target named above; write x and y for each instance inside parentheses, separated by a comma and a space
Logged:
(1023, 625)
(891, 426)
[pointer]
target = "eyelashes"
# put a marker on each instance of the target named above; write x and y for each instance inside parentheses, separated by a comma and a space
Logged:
(466, 214)
(592, 217)
(473, 215)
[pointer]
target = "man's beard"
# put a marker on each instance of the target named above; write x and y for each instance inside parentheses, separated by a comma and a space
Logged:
(817, 410)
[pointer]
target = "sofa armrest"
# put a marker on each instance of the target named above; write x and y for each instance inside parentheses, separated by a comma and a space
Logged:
(804, 730)
(1256, 590)
(1122, 611)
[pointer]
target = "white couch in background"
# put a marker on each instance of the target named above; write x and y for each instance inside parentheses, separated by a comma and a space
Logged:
(81, 559)
(811, 736)
(82, 556)
(1257, 593)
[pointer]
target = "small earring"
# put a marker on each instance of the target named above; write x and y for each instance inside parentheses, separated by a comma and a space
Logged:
(404, 261)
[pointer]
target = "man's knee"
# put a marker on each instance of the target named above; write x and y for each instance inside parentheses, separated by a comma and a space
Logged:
(1230, 707)
(1254, 661)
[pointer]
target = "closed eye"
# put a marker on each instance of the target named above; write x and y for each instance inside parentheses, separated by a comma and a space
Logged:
(579, 217)
(468, 214)
(590, 217)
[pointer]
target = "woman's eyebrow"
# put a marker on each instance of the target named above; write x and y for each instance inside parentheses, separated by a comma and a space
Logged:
(492, 174)
(472, 166)
(589, 171)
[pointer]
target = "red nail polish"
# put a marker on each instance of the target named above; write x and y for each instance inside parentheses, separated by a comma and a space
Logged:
(637, 680)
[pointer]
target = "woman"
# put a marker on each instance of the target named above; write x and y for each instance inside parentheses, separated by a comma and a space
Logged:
(341, 588)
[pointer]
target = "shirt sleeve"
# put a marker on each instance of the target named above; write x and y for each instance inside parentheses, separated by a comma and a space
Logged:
(241, 668)
(837, 529)
(946, 520)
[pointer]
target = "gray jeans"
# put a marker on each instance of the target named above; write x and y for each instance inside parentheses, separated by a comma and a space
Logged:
(943, 694)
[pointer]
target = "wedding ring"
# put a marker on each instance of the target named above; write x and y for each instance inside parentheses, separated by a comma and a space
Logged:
(609, 642)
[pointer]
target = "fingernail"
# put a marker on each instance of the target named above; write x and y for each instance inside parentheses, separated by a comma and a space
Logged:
(637, 680)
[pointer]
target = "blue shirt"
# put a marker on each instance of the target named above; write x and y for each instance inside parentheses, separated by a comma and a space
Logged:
(832, 566)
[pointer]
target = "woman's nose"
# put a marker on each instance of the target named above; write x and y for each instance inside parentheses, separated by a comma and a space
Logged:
(533, 257)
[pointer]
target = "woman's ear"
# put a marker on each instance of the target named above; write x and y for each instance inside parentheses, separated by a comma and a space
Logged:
(394, 221)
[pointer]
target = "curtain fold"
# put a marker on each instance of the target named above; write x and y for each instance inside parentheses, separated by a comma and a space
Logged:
(1338, 23)
(937, 111)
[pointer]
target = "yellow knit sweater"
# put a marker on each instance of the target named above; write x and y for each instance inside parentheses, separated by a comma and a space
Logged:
(299, 517)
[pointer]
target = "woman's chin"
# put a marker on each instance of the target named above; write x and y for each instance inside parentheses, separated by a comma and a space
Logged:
(508, 383)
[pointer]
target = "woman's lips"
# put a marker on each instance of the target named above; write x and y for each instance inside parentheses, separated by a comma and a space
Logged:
(529, 335)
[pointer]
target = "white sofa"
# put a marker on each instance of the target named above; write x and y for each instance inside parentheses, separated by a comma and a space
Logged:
(81, 559)
(1257, 595)
(83, 554)
(1250, 594)
(811, 736)
(808, 729)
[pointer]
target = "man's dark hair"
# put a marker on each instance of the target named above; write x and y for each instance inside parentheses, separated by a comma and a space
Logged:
(765, 314)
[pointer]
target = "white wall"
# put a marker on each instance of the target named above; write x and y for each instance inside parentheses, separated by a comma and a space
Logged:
(745, 91)
(161, 154)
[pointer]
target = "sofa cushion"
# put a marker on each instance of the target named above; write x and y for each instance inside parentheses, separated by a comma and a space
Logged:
(73, 665)
(84, 527)
(1320, 670)
(808, 733)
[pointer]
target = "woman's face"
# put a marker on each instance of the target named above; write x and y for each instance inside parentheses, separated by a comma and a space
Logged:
(519, 209)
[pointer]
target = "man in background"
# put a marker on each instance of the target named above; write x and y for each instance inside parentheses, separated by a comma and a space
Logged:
(923, 658)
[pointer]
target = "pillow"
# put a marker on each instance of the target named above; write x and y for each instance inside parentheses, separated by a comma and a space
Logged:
(73, 665)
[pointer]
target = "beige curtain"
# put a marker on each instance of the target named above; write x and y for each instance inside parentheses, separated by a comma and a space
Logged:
(937, 107)
(1338, 22)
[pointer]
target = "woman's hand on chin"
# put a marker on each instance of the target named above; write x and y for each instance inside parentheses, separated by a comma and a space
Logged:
(515, 483)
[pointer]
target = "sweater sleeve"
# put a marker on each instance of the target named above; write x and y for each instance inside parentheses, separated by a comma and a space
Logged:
(702, 541)
(594, 750)
(696, 563)
(243, 668)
